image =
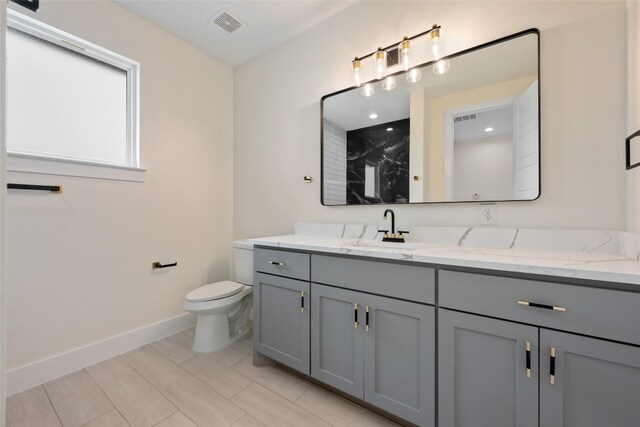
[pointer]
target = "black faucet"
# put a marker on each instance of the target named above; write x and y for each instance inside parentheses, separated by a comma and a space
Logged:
(393, 221)
(398, 238)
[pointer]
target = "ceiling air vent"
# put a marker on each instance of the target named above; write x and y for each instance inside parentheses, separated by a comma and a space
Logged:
(465, 117)
(227, 22)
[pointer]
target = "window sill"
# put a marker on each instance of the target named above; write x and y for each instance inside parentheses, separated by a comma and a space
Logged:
(51, 166)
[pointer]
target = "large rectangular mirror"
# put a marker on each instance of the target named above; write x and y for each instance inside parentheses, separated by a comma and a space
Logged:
(470, 134)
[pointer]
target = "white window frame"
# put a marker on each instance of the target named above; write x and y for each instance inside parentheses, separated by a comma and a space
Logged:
(59, 165)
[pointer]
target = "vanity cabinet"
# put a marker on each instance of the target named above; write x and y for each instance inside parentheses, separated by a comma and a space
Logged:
(582, 381)
(337, 340)
(373, 333)
(512, 350)
(596, 382)
(378, 349)
(281, 307)
(482, 372)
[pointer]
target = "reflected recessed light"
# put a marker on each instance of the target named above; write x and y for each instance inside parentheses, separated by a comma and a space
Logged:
(373, 116)
(389, 129)
(489, 129)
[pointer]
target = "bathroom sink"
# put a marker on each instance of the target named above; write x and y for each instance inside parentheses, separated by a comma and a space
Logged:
(385, 245)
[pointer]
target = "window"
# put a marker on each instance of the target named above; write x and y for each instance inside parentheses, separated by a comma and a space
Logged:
(72, 106)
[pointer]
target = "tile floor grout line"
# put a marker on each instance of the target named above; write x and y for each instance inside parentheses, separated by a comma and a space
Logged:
(52, 405)
(160, 391)
(105, 396)
(283, 380)
(189, 374)
(260, 382)
(168, 416)
(293, 403)
(223, 366)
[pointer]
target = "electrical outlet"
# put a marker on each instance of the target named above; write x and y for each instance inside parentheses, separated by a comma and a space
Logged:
(488, 214)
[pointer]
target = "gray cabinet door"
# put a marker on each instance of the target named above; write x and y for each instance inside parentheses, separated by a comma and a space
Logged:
(281, 319)
(596, 382)
(482, 376)
(399, 359)
(336, 338)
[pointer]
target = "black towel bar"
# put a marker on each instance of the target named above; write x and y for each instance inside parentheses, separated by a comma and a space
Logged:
(52, 188)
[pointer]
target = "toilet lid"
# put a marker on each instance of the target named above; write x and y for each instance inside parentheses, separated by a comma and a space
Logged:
(215, 291)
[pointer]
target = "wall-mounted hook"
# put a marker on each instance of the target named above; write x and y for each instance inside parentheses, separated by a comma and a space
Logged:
(308, 179)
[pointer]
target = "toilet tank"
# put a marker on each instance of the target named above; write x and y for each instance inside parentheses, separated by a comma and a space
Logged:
(243, 262)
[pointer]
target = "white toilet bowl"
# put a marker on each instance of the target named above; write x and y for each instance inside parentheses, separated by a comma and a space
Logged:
(223, 307)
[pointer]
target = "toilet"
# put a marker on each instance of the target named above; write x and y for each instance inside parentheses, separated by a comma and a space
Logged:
(223, 307)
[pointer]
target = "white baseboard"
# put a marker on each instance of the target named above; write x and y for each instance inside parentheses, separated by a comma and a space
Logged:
(33, 374)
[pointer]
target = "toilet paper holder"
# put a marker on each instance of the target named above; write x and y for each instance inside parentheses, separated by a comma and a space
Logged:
(156, 264)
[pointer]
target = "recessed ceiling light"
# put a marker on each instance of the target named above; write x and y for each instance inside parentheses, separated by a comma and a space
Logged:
(373, 116)
(489, 129)
(389, 129)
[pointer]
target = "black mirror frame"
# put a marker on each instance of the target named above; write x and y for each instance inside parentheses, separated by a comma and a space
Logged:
(535, 31)
(29, 4)
(627, 150)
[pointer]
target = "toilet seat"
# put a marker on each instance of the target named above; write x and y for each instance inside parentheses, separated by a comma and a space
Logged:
(215, 291)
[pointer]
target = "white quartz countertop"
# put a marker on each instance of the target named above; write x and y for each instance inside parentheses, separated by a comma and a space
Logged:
(592, 255)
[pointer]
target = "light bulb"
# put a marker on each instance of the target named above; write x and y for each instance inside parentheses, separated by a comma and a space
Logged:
(404, 49)
(367, 90)
(414, 75)
(436, 44)
(441, 67)
(356, 72)
(389, 83)
(380, 63)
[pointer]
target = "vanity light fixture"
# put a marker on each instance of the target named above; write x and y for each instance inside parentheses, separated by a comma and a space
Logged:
(380, 64)
(389, 83)
(414, 75)
(441, 66)
(373, 116)
(436, 45)
(489, 129)
(404, 50)
(356, 71)
(367, 89)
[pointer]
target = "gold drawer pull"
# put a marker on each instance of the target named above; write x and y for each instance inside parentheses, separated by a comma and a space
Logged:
(366, 318)
(355, 315)
(545, 306)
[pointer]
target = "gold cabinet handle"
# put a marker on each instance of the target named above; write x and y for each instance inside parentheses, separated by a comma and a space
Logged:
(552, 365)
(527, 347)
(545, 306)
(301, 301)
(366, 318)
(355, 315)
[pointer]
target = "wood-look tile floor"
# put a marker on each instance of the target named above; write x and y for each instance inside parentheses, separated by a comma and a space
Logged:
(165, 384)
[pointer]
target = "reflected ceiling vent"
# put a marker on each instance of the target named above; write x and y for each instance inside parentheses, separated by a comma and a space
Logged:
(226, 21)
(465, 117)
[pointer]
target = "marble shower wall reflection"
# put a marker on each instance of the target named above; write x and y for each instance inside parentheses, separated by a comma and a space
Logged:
(378, 164)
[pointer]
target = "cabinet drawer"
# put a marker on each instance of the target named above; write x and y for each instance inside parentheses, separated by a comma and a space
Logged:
(282, 263)
(406, 282)
(606, 313)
